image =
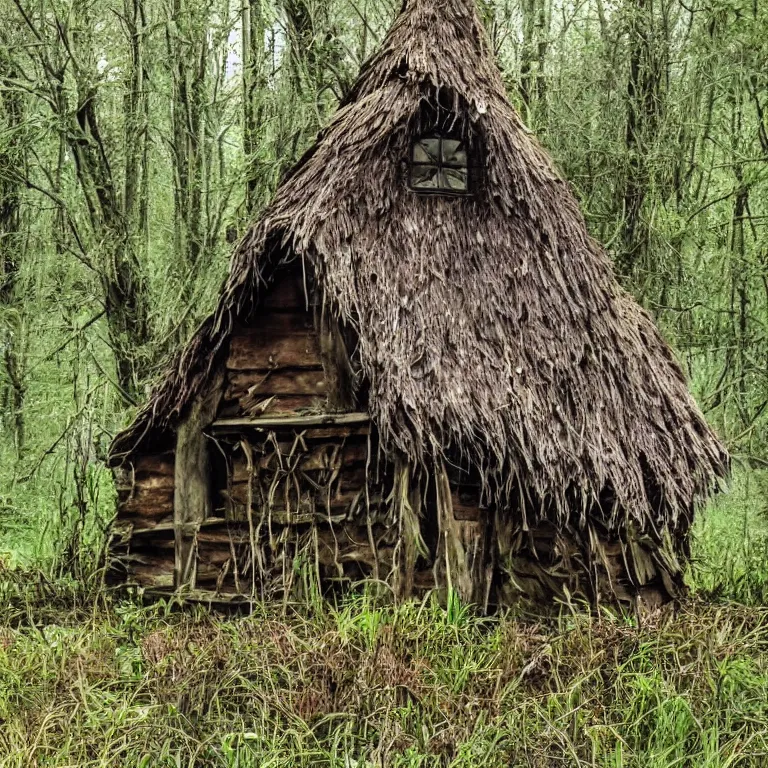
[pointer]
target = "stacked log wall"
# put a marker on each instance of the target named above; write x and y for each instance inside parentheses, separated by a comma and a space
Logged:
(295, 498)
(284, 492)
(142, 548)
(275, 365)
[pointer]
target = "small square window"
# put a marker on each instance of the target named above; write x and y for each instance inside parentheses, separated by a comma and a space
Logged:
(440, 164)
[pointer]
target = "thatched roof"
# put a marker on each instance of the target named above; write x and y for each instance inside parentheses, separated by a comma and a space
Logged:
(491, 323)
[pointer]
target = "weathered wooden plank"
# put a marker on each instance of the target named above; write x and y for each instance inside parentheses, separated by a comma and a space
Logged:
(211, 555)
(147, 483)
(342, 380)
(230, 533)
(171, 526)
(268, 405)
(193, 499)
(331, 433)
(154, 466)
(141, 502)
(296, 381)
(249, 352)
(282, 405)
(288, 422)
(308, 434)
(152, 575)
(150, 465)
(221, 599)
(463, 549)
(142, 483)
(308, 513)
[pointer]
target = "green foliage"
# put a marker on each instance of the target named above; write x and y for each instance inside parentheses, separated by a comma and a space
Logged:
(730, 554)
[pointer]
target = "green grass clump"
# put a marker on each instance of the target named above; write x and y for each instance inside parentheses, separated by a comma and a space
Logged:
(97, 682)
(730, 542)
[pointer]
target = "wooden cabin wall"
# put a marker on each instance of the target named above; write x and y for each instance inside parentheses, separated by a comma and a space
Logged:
(284, 493)
(142, 550)
(546, 563)
(491, 558)
(277, 495)
(275, 365)
(291, 500)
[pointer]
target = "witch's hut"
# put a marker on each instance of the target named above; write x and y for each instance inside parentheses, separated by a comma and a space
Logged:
(421, 370)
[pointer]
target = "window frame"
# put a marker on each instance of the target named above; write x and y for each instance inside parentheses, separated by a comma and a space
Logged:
(440, 165)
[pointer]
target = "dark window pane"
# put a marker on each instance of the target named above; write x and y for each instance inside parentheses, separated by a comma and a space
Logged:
(454, 152)
(454, 179)
(425, 177)
(426, 151)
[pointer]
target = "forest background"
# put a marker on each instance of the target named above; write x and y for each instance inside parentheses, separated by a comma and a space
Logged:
(138, 138)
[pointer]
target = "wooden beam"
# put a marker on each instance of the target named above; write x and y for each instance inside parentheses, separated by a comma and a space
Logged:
(341, 381)
(278, 422)
(464, 548)
(193, 500)
(162, 527)
(296, 381)
(207, 597)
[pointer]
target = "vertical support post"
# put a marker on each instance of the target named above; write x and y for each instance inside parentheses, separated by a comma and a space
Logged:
(407, 497)
(340, 378)
(464, 547)
(192, 498)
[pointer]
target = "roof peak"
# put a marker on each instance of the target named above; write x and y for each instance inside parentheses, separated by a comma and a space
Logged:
(442, 42)
(465, 5)
(429, 11)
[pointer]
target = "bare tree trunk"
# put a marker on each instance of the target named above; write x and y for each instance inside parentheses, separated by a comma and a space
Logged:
(644, 96)
(68, 66)
(542, 31)
(315, 73)
(188, 51)
(527, 54)
(12, 247)
(533, 56)
(136, 107)
(254, 87)
(122, 279)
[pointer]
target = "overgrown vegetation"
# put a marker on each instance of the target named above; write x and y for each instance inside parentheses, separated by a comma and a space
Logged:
(89, 678)
(115, 684)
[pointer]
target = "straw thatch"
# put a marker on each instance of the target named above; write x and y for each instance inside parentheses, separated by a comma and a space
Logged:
(491, 323)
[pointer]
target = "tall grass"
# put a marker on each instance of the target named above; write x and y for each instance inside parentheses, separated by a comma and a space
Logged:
(97, 682)
(730, 542)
